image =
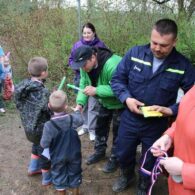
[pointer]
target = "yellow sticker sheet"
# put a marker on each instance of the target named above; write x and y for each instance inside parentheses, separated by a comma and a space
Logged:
(150, 113)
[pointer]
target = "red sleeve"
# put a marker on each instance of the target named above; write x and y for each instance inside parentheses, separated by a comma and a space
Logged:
(170, 131)
(188, 176)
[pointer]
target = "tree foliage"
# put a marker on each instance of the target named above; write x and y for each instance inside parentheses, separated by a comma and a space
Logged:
(49, 28)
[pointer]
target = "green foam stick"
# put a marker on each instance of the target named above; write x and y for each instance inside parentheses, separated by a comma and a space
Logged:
(62, 83)
(74, 87)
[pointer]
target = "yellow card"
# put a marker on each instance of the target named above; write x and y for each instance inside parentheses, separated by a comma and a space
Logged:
(150, 113)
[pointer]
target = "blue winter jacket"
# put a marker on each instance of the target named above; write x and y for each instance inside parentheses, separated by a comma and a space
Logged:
(134, 78)
(1, 71)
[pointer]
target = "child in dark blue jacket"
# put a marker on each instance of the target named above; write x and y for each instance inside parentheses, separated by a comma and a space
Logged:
(61, 137)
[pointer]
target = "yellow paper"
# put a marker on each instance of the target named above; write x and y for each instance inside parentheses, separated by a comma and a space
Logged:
(150, 113)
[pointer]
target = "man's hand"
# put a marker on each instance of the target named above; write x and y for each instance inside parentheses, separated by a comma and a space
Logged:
(90, 91)
(163, 143)
(173, 165)
(134, 105)
(164, 110)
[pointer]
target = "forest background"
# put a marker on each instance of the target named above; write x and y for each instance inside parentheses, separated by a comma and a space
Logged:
(49, 28)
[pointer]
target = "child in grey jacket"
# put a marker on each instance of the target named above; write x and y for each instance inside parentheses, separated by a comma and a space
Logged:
(31, 98)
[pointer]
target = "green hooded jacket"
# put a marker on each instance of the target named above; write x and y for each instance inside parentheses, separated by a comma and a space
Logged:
(104, 92)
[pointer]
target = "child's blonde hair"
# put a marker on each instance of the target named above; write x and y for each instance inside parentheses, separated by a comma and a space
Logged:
(57, 101)
(37, 65)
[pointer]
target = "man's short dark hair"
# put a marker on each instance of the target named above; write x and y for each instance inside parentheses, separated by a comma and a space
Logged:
(166, 26)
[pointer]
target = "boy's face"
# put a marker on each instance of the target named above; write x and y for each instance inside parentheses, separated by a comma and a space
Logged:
(6, 63)
(44, 74)
(1, 59)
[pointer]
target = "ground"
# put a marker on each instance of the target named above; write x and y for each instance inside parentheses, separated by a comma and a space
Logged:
(14, 157)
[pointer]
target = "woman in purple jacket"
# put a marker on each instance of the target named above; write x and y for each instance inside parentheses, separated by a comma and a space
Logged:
(89, 37)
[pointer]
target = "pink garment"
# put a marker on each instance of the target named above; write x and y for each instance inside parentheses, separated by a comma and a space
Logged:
(183, 134)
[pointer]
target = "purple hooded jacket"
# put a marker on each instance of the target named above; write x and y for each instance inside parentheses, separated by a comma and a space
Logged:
(96, 42)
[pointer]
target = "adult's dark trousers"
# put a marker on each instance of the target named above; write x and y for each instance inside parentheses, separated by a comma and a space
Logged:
(104, 119)
(133, 130)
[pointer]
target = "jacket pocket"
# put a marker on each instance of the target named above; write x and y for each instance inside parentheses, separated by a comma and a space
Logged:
(167, 93)
(136, 84)
(169, 83)
(136, 78)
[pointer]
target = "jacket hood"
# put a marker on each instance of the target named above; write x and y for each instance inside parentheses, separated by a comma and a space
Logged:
(103, 54)
(90, 43)
(25, 87)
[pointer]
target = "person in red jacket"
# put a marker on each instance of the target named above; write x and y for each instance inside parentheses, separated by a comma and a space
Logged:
(181, 167)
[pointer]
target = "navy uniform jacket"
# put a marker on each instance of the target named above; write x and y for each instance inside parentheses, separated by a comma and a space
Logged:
(134, 78)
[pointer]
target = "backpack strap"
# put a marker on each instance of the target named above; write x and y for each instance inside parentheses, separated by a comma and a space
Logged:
(55, 125)
(70, 121)
(59, 128)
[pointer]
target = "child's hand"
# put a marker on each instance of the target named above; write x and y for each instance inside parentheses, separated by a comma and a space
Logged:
(78, 107)
(73, 109)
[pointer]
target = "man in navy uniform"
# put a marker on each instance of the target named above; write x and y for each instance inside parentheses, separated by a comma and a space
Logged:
(148, 75)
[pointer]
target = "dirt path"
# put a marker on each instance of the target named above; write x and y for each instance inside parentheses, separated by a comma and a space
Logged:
(14, 157)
